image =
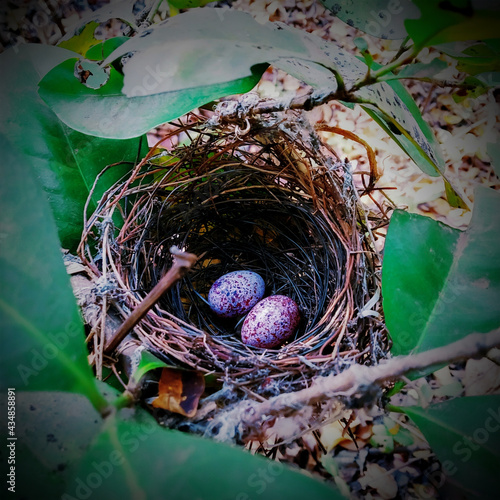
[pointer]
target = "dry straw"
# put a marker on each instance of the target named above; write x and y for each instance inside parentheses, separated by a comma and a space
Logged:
(273, 200)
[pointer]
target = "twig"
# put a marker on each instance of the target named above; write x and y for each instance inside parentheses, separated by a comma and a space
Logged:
(358, 379)
(183, 261)
(372, 159)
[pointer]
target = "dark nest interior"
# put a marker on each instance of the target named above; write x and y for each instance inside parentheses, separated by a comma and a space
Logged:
(274, 201)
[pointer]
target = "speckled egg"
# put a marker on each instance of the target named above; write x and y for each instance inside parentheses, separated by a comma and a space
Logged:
(270, 322)
(234, 294)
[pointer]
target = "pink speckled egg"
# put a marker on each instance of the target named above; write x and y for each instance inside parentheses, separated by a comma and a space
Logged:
(234, 294)
(270, 322)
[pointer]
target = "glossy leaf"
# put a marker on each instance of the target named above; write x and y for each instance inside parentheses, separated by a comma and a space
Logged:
(53, 430)
(378, 18)
(464, 434)
(108, 113)
(418, 70)
(66, 162)
(140, 460)
(83, 41)
(389, 103)
(197, 56)
(43, 337)
(147, 362)
(189, 4)
(102, 50)
(202, 47)
(440, 284)
(444, 22)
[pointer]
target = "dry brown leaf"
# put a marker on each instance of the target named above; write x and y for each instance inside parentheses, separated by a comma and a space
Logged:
(482, 376)
(180, 391)
(378, 478)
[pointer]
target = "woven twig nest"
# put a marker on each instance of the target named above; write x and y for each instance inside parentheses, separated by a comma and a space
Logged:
(274, 201)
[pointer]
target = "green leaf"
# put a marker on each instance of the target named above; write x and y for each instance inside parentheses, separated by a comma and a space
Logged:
(493, 150)
(43, 342)
(189, 4)
(418, 70)
(388, 103)
(463, 433)
(148, 362)
(479, 58)
(108, 113)
(53, 430)
(202, 47)
(103, 49)
(443, 22)
(66, 162)
(136, 459)
(362, 45)
(200, 55)
(440, 284)
(83, 41)
(379, 18)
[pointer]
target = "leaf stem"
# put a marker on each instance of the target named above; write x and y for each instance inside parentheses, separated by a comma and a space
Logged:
(375, 75)
(153, 11)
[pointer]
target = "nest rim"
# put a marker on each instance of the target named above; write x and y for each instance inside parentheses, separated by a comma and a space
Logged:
(307, 178)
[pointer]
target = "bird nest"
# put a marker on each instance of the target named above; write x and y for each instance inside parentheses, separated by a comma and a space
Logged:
(274, 201)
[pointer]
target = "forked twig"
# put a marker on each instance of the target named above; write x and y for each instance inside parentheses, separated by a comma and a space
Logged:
(183, 261)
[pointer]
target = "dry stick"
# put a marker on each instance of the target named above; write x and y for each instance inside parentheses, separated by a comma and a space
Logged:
(372, 159)
(360, 378)
(183, 261)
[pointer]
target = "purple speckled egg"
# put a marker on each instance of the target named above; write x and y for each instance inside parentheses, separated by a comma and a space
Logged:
(270, 322)
(234, 294)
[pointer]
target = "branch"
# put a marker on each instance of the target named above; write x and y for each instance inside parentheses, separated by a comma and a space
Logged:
(357, 379)
(183, 261)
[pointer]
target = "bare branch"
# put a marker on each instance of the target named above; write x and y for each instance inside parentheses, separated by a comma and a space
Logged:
(357, 380)
(183, 261)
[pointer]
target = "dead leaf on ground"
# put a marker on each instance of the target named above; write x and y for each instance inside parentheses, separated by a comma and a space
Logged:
(379, 479)
(180, 391)
(482, 376)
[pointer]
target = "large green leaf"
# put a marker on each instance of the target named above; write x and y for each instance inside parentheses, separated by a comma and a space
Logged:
(107, 112)
(441, 284)
(201, 54)
(465, 435)
(43, 338)
(202, 47)
(378, 18)
(83, 41)
(136, 459)
(455, 20)
(65, 162)
(53, 431)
